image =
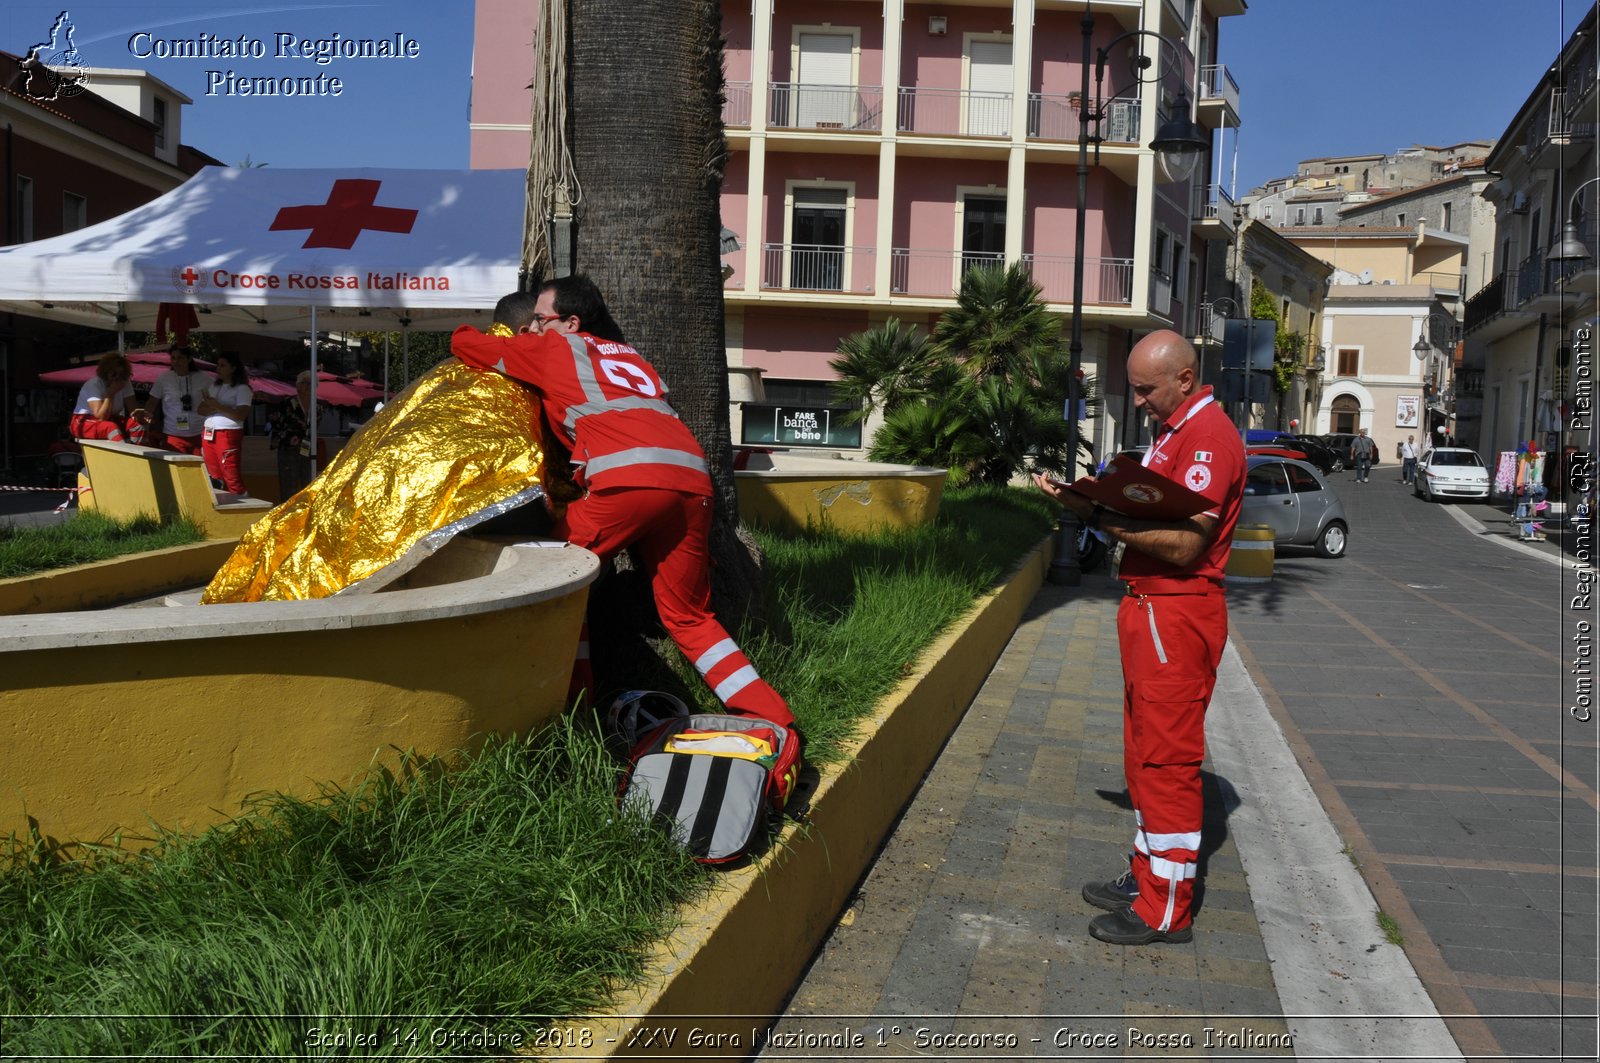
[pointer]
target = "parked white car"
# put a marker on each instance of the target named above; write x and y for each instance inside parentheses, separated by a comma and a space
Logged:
(1451, 472)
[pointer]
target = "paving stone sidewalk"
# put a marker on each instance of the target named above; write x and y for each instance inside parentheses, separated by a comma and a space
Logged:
(969, 938)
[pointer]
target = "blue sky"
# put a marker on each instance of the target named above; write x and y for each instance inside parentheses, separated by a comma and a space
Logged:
(1358, 76)
(1316, 78)
(391, 112)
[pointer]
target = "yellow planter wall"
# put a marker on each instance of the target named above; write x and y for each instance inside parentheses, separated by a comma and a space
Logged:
(848, 496)
(111, 720)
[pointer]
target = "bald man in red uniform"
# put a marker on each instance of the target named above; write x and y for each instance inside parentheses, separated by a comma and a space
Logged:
(1171, 627)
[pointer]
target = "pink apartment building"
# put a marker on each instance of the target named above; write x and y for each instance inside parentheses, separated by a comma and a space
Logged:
(878, 149)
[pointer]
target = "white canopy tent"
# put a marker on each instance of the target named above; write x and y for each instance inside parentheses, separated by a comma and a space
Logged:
(266, 250)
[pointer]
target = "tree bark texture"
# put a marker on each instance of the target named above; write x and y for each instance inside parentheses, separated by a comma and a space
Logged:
(646, 115)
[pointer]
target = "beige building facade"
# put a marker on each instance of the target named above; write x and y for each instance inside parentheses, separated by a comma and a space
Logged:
(1524, 357)
(1392, 288)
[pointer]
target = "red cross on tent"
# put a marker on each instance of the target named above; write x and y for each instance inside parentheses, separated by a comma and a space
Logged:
(351, 208)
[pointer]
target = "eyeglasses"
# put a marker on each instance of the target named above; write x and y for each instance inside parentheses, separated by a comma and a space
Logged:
(544, 319)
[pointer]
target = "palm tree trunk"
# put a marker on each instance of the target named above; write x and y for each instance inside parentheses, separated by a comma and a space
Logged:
(648, 147)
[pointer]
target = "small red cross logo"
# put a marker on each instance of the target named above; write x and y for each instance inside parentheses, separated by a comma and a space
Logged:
(189, 276)
(350, 209)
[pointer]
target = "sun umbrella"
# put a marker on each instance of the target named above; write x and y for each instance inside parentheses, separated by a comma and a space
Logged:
(344, 391)
(146, 365)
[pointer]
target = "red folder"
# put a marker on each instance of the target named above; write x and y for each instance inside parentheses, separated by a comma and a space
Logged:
(1135, 491)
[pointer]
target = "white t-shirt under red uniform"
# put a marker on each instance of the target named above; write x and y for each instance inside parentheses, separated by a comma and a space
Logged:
(95, 388)
(230, 395)
(170, 388)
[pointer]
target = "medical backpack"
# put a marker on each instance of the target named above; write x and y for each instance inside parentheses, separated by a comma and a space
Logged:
(717, 781)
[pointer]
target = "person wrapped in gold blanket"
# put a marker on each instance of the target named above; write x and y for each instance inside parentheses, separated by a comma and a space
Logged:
(454, 449)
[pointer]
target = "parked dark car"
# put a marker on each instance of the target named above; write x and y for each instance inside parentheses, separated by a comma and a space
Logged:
(1339, 443)
(1316, 451)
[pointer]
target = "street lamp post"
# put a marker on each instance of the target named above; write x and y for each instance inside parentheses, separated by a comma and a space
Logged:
(1570, 248)
(1178, 145)
(1428, 349)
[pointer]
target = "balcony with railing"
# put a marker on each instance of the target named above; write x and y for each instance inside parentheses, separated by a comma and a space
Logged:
(736, 105)
(1445, 284)
(1213, 212)
(826, 107)
(1554, 140)
(935, 274)
(1106, 281)
(1053, 116)
(954, 112)
(1218, 103)
(1538, 290)
(1492, 311)
(818, 268)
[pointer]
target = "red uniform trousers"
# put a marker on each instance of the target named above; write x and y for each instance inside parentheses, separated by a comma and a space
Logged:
(1171, 646)
(220, 448)
(184, 444)
(82, 426)
(669, 532)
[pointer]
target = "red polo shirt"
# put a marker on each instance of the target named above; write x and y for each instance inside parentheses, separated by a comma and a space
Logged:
(1199, 447)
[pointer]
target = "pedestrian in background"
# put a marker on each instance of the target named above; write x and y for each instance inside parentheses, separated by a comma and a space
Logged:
(225, 405)
(1408, 460)
(105, 401)
(289, 433)
(177, 392)
(1361, 450)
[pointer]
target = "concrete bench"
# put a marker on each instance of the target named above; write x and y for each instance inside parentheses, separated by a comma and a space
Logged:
(126, 480)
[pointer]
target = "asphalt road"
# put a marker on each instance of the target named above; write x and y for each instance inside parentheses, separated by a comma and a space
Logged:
(1425, 683)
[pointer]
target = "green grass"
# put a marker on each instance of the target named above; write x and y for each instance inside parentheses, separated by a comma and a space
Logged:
(86, 537)
(509, 883)
(1390, 928)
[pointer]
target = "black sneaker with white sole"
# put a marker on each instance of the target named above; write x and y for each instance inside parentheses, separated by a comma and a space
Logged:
(1126, 928)
(1114, 895)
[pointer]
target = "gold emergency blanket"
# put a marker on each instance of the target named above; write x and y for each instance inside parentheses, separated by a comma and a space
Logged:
(456, 447)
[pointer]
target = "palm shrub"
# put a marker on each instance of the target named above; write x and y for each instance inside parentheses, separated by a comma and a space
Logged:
(888, 366)
(983, 396)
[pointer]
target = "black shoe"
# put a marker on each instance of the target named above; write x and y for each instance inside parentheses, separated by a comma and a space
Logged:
(1115, 895)
(1126, 928)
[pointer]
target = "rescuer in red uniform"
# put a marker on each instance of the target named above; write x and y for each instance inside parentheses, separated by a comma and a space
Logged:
(648, 485)
(1171, 627)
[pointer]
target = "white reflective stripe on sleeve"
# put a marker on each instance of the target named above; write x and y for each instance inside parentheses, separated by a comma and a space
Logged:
(735, 683)
(1155, 636)
(645, 456)
(715, 655)
(1189, 840)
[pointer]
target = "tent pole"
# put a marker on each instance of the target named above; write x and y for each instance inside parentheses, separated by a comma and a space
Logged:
(311, 414)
